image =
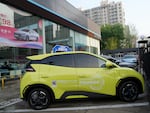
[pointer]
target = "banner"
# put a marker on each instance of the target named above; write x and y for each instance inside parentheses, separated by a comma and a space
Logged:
(26, 38)
(12, 37)
(6, 16)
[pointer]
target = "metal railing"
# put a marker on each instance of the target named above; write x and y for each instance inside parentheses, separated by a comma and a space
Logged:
(6, 75)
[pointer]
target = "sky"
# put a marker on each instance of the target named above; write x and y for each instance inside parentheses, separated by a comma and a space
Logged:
(137, 12)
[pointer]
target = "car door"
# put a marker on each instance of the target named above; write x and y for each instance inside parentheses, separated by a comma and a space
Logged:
(61, 72)
(31, 35)
(93, 76)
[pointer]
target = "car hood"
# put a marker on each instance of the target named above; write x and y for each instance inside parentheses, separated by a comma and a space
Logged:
(129, 60)
(127, 64)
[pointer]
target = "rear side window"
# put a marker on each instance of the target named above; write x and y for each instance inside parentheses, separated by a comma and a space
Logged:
(60, 60)
(29, 68)
(28, 65)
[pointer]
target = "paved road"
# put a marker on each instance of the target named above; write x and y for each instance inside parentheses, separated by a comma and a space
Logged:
(84, 106)
(10, 90)
(10, 103)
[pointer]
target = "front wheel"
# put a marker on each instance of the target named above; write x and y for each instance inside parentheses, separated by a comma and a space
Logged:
(39, 98)
(128, 91)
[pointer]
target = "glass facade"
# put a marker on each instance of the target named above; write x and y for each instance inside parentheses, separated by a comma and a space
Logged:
(23, 34)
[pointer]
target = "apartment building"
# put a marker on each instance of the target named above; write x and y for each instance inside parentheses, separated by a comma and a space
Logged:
(107, 13)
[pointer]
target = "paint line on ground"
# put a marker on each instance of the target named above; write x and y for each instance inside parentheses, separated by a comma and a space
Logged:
(81, 108)
(9, 103)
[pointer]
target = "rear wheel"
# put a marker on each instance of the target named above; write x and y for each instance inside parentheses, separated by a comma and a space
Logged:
(128, 91)
(39, 98)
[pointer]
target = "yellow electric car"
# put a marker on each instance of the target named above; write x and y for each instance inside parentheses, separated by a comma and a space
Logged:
(65, 75)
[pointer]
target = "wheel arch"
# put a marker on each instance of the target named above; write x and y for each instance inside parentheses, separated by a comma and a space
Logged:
(130, 79)
(25, 95)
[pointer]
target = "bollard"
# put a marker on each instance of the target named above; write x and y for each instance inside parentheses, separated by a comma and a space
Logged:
(3, 83)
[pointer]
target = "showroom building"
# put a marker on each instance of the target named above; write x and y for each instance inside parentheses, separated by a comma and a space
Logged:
(29, 27)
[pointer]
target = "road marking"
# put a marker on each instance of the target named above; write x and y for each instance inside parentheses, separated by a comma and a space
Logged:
(79, 108)
(9, 103)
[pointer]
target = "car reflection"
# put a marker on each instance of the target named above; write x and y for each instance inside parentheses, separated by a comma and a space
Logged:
(26, 34)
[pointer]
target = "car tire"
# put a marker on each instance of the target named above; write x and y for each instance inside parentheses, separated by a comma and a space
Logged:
(39, 98)
(128, 91)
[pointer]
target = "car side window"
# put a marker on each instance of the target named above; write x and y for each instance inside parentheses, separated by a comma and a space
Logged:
(60, 60)
(88, 61)
(102, 63)
(28, 65)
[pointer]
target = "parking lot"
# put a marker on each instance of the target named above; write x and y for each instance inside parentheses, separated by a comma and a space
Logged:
(10, 90)
(10, 103)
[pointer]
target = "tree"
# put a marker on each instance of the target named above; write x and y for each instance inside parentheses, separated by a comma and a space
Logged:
(130, 36)
(112, 43)
(112, 36)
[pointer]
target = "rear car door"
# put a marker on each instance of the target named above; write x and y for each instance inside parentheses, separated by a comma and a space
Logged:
(61, 73)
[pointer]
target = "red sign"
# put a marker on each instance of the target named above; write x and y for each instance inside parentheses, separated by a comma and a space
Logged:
(26, 38)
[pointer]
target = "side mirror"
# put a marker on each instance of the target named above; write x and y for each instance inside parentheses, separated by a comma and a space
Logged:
(109, 64)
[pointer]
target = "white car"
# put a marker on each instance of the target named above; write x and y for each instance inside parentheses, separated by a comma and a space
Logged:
(130, 61)
(130, 58)
(26, 34)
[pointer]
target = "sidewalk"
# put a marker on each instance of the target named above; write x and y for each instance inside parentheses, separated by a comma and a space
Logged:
(10, 90)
